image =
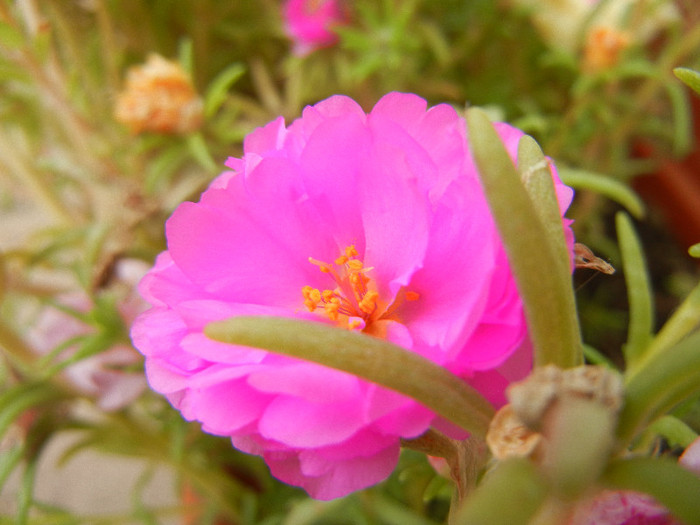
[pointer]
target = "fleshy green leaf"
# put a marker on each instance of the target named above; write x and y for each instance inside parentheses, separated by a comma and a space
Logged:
(216, 93)
(199, 150)
(10, 459)
(673, 486)
(606, 186)
(371, 358)
(689, 77)
(641, 310)
(536, 176)
(674, 431)
(684, 320)
(547, 294)
(657, 385)
(23, 397)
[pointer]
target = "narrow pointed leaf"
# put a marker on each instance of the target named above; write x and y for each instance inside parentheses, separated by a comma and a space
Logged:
(606, 186)
(547, 296)
(683, 321)
(371, 358)
(658, 385)
(689, 77)
(641, 321)
(536, 176)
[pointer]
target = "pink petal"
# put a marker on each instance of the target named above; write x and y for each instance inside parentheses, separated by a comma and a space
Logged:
(307, 381)
(225, 407)
(299, 423)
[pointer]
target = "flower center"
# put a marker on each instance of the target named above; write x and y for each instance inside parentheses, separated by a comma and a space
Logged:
(353, 303)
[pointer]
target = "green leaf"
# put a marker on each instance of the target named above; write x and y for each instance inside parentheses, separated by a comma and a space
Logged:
(511, 494)
(689, 77)
(675, 431)
(683, 321)
(26, 492)
(9, 459)
(546, 293)
(23, 397)
(673, 486)
(199, 150)
(641, 310)
(11, 37)
(216, 93)
(185, 54)
(535, 173)
(606, 186)
(371, 358)
(658, 384)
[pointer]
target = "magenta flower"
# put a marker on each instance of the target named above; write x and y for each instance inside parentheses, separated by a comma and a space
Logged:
(371, 222)
(309, 23)
(625, 507)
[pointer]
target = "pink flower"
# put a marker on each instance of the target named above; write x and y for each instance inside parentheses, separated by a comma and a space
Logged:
(371, 222)
(625, 507)
(309, 23)
(100, 376)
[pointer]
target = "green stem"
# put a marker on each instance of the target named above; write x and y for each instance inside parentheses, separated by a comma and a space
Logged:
(370, 358)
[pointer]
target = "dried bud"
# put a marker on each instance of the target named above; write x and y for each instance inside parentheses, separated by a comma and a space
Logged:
(534, 396)
(509, 437)
(603, 47)
(159, 96)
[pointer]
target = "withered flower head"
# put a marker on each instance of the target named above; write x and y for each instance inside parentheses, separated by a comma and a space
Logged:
(159, 97)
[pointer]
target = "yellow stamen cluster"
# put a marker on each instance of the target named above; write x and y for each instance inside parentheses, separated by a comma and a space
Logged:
(354, 302)
(351, 297)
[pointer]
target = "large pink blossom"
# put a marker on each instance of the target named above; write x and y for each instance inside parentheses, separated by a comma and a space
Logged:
(371, 222)
(309, 23)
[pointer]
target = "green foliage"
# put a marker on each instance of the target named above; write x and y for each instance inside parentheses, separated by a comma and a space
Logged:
(79, 194)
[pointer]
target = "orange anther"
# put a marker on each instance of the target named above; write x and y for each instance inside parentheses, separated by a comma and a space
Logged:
(369, 302)
(355, 265)
(412, 296)
(341, 260)
(350, 251)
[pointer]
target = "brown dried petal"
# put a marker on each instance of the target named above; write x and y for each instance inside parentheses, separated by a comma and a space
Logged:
(159, 96)
(532, 397)
(508, 436)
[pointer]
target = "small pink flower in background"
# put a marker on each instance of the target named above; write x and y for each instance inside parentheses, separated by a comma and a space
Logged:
(370, 222)
(633, 508)
(309, 23)
(100, 376)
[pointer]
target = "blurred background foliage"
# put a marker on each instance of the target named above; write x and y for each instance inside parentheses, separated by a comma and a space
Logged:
(80, 193)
